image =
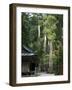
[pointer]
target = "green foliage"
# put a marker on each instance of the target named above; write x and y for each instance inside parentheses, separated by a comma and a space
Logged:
(50, 25)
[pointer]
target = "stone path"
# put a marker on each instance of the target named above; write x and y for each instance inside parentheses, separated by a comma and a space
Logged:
(44, 74)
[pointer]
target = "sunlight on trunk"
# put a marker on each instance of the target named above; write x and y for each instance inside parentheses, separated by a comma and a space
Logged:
(45, 43)
(38, 31)
(50, 58)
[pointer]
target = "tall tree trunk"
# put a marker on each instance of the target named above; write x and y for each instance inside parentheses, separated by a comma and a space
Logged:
(39, 68)
(50, 57)
(45, 43)
(38, 31)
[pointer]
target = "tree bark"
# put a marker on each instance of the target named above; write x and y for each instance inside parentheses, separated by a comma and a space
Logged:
(44, 43)
(50, 57)
(38, 31)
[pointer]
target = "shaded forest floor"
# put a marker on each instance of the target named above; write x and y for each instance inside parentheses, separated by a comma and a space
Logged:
(45, 74)
(41, 74)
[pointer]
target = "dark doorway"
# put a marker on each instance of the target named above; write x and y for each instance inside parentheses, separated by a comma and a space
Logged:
(32, 67)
